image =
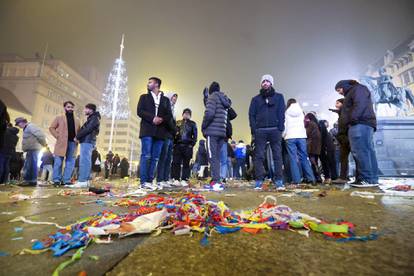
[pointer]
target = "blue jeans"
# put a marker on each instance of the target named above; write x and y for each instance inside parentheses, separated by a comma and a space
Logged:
(298, 160)
(164, 164)
(224, 174)
(4, 167)
(150, 154)
(361, 138)
(85, 161)
(69, 164)
(30, 166)
(230, 170)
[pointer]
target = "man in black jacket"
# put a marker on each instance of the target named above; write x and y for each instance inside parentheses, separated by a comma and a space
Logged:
(184, 142)
(4, 121)
(86, 136)
(7, 151)
(164, 162)
(359, 117)
(267, 122)
(154, 109)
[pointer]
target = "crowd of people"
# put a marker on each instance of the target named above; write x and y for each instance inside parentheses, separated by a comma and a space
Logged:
(288, 146)
(62, 167)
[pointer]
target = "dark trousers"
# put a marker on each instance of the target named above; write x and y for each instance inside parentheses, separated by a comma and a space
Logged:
(182, 154)
(214, 145)
(274, 137)
(345, 150)
(328, 164)
(314, 163)
(240, 166)
(4, 167)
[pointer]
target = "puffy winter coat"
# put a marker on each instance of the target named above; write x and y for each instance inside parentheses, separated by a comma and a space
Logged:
(33, 138)
(215, 116)
(294, 122)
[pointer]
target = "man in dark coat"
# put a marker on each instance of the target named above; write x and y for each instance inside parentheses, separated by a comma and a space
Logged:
(115, 163)
(359, 116)
(214, 128)
(343, 141)
(154, 109)
(184, 142)
(7, 151)
(4, 121)
(86, 136)
(267, 122)
(124, 165)
(164, 162)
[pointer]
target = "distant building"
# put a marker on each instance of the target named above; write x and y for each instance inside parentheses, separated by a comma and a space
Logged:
(37, 91)
(125, 141)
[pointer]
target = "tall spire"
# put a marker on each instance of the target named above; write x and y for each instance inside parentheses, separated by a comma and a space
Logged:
(115, 97)
(121, 47)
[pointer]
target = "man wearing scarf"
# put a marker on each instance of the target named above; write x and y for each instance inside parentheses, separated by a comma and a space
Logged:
(267, 122)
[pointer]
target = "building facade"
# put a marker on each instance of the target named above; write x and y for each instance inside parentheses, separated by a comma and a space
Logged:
(125, 141)
(37, 90)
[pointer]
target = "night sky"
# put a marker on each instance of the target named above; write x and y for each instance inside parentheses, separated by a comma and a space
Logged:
(306, 45)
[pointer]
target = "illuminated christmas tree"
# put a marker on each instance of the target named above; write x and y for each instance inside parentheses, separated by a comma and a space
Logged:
(115, 99)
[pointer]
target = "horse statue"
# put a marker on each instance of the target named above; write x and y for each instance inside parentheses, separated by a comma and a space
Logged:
(385, 92)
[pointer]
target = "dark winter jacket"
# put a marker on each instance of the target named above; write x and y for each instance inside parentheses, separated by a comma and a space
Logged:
(327, 144)
(146, 111)
(342, 135)
(186, 132)
(231, 115)
(201, 157)
(215, 116)
(230, 151)
(10, 141)
(358, 108)
(124, 167)
(171, 124)
(267, 110)
(90, 129)
(4, 120)
(314, 141)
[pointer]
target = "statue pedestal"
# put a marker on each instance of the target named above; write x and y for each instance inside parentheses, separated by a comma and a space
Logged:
(394, 145)
(386, 110)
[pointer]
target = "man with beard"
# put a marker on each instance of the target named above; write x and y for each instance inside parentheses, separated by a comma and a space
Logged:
(64, 128)
(267, 122)
(154, 109)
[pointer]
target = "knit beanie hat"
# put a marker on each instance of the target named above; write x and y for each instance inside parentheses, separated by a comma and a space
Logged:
(268, 78)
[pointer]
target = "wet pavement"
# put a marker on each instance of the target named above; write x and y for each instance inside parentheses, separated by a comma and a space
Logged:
(267, 253)
(63, 210)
